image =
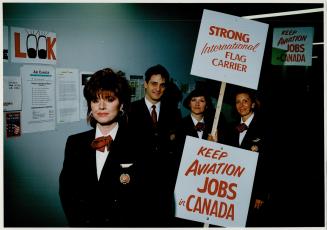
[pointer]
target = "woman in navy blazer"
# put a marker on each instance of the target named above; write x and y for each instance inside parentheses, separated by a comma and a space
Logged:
(97, 181)
(248, 133)
(201, 111)
(196, 124)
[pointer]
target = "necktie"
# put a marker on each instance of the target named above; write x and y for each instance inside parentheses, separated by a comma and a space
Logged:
(154, 115)
(101, 142)
(200, 126)
(241, 127)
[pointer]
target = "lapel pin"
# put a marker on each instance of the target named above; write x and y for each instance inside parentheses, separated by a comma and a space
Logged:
(124, 178)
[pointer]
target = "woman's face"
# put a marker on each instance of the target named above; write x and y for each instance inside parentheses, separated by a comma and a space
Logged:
(105, 108)
(198, 105)
(244, 105)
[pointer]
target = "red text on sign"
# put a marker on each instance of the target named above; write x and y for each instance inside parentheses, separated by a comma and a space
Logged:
(211, 153)
(236, 57)
(227, 33)
(219, 188)
(210, 207)
(196, 168)
(229, 65)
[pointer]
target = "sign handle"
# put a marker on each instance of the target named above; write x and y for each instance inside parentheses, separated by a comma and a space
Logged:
(218, 108)
(206, 225)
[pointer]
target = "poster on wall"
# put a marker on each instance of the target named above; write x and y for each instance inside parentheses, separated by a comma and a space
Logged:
(229, 49)
(67, 95)
(12, 93)
(84, 77)
(38, 108)
(33, 46)
(136, 83)
(292, 46)
(5, 43)
(13, 126)
(214, 183)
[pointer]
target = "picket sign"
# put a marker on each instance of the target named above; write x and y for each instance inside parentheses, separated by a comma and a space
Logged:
(235, 52)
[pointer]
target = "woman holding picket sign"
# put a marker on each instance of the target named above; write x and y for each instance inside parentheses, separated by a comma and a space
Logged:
(247, 133)
(196, 124)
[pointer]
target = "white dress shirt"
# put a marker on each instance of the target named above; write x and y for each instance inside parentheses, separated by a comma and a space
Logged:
(101, 157)
(195, 121)
(149, 105)
(247, 122)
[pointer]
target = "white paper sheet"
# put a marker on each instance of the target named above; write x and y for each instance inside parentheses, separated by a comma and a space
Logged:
(67, 95)
(38, 113)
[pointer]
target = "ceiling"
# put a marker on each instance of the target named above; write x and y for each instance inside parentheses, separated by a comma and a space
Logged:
(193, 12)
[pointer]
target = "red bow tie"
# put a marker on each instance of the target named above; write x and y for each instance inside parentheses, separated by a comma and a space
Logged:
(101, 142)
(200, 126)
(241, 127)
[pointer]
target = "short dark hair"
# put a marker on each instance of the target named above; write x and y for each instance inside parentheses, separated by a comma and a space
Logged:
(102, 82)
(198, 92)
(157, 69)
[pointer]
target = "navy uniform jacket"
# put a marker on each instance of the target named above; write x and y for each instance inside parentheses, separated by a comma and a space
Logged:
(87, 201)
(187, 127)
(254, 138)
(155, 150)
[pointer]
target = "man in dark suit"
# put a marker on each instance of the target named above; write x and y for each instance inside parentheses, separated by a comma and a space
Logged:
(153, 122)
(97, 183)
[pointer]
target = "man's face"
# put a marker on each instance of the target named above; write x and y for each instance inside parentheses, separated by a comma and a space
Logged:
(155, 88)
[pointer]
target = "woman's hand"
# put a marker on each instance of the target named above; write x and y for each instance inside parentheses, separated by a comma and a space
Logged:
(258, 203)
(213, 137)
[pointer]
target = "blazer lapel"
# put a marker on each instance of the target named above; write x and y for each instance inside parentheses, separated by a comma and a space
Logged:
(190, 126)
(90, 152)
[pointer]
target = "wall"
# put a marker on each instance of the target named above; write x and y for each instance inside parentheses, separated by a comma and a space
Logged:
(89, 37)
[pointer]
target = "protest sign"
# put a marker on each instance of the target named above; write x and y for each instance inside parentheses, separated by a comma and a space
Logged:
(214, 183)
(229, 49)
(292, 46)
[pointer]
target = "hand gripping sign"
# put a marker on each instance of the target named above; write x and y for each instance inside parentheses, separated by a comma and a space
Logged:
(229, 49)
(214, 183)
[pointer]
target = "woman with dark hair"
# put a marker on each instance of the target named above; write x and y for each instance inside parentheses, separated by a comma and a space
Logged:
(97, 181)
(199, 122)
(247, 133)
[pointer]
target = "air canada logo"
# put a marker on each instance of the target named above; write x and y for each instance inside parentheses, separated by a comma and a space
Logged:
(34, 46)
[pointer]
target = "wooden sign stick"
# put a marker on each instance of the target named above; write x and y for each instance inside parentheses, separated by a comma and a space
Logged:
(216, 119)
(218, 108)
